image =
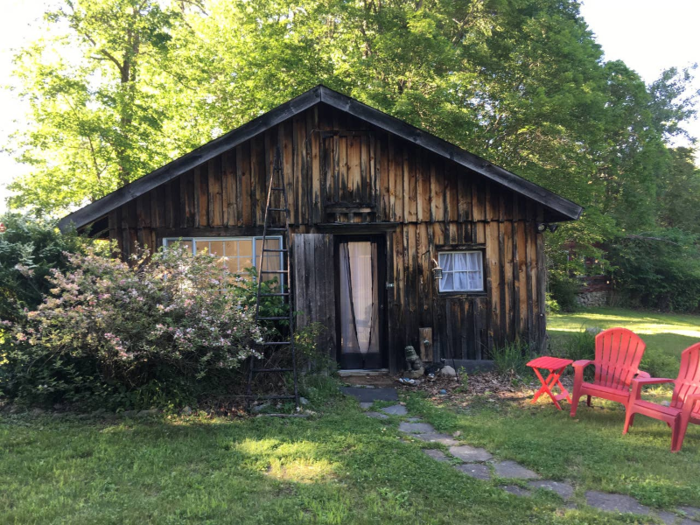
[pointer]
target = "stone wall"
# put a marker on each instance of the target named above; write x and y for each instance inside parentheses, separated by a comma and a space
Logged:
(593, 299)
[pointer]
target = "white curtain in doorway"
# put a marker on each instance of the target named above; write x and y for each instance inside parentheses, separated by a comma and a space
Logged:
(358, 297)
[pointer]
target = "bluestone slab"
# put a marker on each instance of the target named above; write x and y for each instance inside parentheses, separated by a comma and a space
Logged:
(416, 428)
(475, 470)
(470, 454)
(511, 469)
(395, 410)
(364, 395)
(615, 502)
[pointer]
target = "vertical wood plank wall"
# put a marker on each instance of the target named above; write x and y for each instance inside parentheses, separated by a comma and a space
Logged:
(330, 157)
(314, 285)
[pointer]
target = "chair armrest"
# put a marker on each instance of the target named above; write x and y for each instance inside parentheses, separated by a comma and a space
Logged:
(652, 380)
(639, 382)
(644, 375)
(578, 370)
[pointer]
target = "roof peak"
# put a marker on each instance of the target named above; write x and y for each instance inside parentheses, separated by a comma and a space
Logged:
(560, 208)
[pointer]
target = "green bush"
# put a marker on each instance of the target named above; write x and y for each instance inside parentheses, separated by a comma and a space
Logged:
(660, 365)
(29, 250)
(564, 291)
(511, 358)
(578, 345)
(161, 328)
(657, 270)
(551, 305)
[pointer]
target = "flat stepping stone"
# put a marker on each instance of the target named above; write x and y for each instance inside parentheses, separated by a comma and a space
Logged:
(692, 512)
(434, 437)
(366, 405)
(565, 490)
(377, 415)
(416, 428)
(437, 455)
(365, 395)
(669, 518)
(475, 470)
(395, 410)
(470, 454)
(517, 491)
(615, 502)
(511, 469)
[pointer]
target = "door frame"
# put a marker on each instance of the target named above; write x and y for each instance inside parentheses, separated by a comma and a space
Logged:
(382, 309)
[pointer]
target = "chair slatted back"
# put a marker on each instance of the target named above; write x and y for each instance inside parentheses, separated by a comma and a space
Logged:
(618, 352)
(688, 382)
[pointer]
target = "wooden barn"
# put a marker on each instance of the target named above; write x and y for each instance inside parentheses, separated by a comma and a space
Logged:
(397, 237)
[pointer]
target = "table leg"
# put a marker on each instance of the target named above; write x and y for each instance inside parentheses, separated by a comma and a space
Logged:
(564, 391)
(552, 380)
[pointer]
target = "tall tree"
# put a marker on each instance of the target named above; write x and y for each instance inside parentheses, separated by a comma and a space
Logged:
(95, 123)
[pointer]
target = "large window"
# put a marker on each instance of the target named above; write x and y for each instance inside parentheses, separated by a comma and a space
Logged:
(236, 254)
(462, 271)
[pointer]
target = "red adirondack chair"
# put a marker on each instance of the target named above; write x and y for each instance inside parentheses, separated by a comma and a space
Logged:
(618, 352)
(685, 403)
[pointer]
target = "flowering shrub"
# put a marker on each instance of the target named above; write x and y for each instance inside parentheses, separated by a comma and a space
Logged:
(160, 324)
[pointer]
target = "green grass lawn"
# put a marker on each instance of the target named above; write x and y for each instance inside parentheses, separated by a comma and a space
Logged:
(667, 334)
(341, 467)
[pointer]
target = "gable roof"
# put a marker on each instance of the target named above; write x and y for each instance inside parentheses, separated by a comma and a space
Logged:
(559, 208)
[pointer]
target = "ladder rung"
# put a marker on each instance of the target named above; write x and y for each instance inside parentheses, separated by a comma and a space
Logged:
(273, 318)
(275, 250)
(277, 229)
(278, 209)
(274, 271)
(278, 294)
(276, 343)
(278, 189)
(272, 370)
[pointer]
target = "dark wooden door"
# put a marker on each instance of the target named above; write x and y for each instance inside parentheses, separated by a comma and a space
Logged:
(361, 302)
(314, 287)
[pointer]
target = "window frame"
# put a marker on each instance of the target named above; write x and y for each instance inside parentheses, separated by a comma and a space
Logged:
(253, 238)
(482, 258)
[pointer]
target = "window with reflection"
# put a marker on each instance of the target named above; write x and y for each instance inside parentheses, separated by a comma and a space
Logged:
(237, 255)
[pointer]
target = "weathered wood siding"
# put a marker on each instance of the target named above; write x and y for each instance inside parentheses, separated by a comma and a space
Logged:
(314, 281)
(339, 169)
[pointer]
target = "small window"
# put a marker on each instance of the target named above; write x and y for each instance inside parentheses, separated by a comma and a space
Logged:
(235, 254)
(462, 271)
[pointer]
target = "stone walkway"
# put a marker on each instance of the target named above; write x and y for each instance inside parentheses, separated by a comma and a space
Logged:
(478, 463)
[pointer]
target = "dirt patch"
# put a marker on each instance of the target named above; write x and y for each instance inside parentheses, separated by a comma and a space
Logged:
(458, 390)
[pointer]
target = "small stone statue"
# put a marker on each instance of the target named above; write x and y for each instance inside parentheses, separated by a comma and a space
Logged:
(414, 365)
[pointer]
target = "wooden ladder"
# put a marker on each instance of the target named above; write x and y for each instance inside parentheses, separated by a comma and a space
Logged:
(257, 365)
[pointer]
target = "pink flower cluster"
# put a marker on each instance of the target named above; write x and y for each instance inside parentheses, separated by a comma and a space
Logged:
(166, 307)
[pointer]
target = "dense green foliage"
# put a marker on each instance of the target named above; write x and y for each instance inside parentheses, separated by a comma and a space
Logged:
(660, 270)
(119, 87)
(29, 250)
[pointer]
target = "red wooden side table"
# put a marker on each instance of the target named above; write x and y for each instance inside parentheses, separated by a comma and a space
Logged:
(555, 366)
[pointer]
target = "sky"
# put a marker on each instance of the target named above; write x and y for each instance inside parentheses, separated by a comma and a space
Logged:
(648, 35)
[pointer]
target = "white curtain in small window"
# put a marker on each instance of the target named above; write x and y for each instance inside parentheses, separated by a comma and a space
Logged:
(461, 272)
